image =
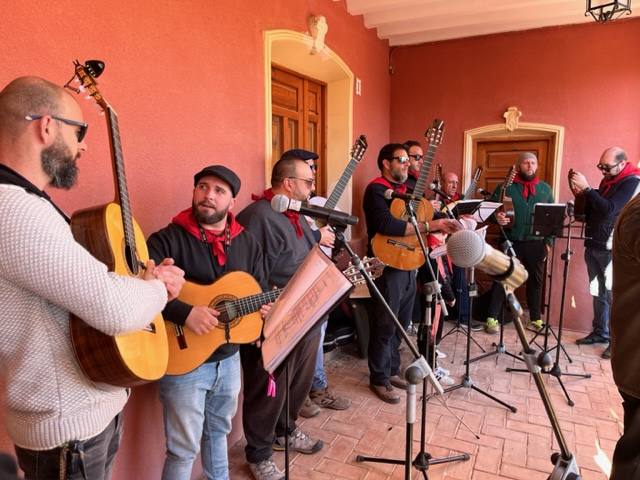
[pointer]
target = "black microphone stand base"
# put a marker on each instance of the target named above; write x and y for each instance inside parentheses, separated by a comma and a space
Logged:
(545, 332)
(556, 371)
(500, 347)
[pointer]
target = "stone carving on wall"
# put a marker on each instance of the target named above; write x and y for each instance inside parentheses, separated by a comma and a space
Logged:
(318, 30)
(511, 117)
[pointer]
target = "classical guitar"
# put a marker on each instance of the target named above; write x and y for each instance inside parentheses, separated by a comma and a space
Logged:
(110, 234)
(469, 193)
(507, 202)
(238, 298)
(404, 252)
(437, 179)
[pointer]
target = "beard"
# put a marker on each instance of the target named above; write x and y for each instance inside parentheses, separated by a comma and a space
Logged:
(59, 164)
(527, 178)
(211, 219)
(399, 177)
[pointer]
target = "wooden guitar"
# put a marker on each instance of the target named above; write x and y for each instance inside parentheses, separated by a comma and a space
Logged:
(470, 192)
(507, 202)
(238, 298)
(404, 252)
(437, 179)
(110, 234)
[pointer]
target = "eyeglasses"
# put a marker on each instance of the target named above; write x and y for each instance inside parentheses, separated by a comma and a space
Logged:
(607, 168)
(308, 181)
(401, 160)
(417, 157)
(82, 126)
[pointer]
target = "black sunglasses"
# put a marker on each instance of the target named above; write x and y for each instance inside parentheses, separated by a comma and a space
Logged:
(401, 160)
(82, 126)
(417, 157)
(607, 168)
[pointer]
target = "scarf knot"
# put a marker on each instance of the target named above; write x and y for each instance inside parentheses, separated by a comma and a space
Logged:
(528, 186)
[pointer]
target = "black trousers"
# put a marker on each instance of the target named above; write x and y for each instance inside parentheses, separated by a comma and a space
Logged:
(89, 459)
(626, 456)
(399, 289)
(264, 417)
(531, 254)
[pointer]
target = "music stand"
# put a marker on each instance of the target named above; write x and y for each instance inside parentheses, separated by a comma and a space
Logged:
(465, 207)
(546, 214)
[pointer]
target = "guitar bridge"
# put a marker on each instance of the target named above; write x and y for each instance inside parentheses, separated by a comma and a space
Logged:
(399, 244)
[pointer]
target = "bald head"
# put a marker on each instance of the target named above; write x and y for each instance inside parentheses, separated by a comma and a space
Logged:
(614, 154)
(451, 183)
(27, 96)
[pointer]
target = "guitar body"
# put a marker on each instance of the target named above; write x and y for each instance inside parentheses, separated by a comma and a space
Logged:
(198, 348)
(133, 358)
(402, 252)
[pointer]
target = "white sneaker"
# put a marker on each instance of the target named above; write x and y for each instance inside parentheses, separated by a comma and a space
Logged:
(440, 354)
(443, 371)
(266, 470)
(444, 379)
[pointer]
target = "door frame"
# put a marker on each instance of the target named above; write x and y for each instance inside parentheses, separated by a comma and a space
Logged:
(499, 132)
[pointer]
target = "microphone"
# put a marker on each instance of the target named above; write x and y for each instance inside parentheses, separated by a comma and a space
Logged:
(467, 249)
(571, 208)
(281, 203)
(389, 194)
(484, 193)
(434, 188)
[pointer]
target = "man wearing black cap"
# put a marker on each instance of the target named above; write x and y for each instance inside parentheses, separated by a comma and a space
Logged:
(206, 242)
(286, 239)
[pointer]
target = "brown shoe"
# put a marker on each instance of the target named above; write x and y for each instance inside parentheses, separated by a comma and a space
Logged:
(326, 399)
(398, 382)
(309, 409)
(386, 393)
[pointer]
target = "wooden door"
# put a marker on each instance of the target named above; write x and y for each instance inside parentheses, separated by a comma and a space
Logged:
(298, 113)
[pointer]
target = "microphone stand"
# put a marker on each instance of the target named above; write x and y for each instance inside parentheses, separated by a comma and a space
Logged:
(500, 347)
(423, 459)
(565, 466)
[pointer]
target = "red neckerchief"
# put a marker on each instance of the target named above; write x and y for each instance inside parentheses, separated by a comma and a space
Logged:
(528, 186)
(294, 217)
(455, 197)
(396, 187)
(627, 171)
(186, 220)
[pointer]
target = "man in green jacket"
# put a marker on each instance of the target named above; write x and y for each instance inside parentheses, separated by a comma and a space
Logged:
(526, 191)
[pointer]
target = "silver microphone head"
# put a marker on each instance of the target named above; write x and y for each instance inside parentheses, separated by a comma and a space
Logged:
(388, 194)
(280, 203)
(432, 186)
(465, 248)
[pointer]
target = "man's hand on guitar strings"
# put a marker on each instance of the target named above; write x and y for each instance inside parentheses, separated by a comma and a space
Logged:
(202, 319)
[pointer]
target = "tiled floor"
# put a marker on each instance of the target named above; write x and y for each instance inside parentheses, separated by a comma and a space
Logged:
(511, 445)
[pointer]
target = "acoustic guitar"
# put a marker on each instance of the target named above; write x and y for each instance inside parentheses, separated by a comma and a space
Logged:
(507, 202)
(238, 298)
(404, 252)
(110, 234)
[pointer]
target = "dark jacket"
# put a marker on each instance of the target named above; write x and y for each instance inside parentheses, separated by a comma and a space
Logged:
(602, 210)
(194, 257)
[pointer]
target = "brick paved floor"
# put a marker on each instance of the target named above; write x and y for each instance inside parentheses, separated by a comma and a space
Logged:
(511, 445)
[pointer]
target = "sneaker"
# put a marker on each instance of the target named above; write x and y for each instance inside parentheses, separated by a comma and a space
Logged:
(492, 326)
(299, 442)
(607, 352)
(535, 325)
(444, 371)
(309, 409)
(266, 470)
(324, 398)
(440, 355)
(476, 326)
(444, 380)
(591, 339)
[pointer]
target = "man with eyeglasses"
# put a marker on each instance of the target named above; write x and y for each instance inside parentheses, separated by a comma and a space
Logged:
(397, 286)
(286, 239)
(602, 206)
(416, 160)
(62, 424)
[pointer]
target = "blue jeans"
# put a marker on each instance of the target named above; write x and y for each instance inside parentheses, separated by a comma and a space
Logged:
(319, 377)
(198, 407)
(600, 270)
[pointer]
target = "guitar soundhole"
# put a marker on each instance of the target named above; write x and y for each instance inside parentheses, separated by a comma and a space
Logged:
(230, 313)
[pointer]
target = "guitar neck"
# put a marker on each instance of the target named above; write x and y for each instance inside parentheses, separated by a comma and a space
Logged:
(122, 192)
(253, 303)
(338, 190)
(471, 188)
(418, 191)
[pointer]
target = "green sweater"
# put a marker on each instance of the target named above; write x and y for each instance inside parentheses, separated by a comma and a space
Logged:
(520, 228)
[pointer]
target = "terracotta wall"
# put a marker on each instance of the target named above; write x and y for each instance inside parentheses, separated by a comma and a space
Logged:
(186, 79)
(585, 78)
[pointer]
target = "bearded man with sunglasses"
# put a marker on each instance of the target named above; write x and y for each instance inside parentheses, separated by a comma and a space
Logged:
(397, 286)
(62, 424)
(602, 206)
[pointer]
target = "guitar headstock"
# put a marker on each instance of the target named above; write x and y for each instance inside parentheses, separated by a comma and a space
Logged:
(359, 147)
(508, 180)
(373, 266)
(435, 132)
(477, 174)
(85, 76)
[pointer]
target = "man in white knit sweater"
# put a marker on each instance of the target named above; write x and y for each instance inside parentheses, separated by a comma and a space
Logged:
(57, 418)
